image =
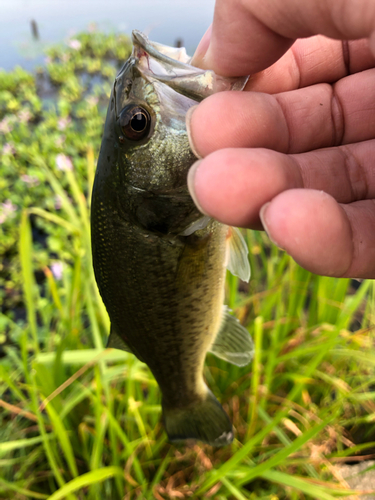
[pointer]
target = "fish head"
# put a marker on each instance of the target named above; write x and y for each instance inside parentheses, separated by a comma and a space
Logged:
(145, 149)
(149, 118)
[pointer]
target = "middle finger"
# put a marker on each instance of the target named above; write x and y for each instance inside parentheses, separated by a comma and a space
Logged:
(297, 121)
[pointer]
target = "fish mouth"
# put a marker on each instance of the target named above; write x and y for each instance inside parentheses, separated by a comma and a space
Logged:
(171, 66)
(142, 45)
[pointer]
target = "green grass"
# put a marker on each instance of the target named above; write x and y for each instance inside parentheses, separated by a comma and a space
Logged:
(82, 422)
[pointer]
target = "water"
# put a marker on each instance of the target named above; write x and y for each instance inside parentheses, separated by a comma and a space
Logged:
(164, 21)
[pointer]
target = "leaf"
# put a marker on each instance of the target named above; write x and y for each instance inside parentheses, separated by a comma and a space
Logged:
(88, 479)
(63, 438)
(29, 286)
(23, 443)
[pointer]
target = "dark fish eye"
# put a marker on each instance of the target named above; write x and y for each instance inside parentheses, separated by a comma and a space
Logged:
(135, 122)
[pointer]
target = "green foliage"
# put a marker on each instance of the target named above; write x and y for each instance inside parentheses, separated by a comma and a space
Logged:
(78, 421)
(56, 117)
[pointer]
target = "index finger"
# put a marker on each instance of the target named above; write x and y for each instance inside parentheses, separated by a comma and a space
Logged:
(250, 35)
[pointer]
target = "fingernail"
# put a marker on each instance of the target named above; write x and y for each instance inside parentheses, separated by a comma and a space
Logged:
(189, 114)
(202, 48)
(263, 218)
(191, 185)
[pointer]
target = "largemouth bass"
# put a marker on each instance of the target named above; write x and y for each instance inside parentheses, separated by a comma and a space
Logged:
(159, 263)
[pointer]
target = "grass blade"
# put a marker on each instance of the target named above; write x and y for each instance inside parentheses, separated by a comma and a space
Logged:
(21, 491)
(29, 287)
(88, 479)
(23, 443)
(63, 438)
(297, 483)
(285, 452)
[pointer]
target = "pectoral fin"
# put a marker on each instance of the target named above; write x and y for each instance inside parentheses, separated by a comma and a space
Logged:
(238, 262)
(233, 342)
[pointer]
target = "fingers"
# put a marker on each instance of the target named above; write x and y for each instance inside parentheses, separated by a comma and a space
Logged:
(313, 228)
(230, 38)
(322, 236)
(232, 185)
(291, 122)
(313, 60)
(250, 35)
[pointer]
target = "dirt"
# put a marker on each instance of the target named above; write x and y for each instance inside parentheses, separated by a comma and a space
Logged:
(360, 482)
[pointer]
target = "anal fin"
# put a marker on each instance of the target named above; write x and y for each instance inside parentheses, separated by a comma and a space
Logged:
(233, 342)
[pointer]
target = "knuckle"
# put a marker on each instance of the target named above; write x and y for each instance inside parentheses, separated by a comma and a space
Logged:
(337, 118)
(355, 173)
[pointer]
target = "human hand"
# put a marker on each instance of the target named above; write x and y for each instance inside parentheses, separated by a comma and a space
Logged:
(307, 121)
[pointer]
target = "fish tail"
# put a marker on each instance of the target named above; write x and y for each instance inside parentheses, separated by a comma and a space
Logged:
(206, 421)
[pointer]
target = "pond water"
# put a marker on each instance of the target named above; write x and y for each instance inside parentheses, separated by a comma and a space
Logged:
(164, 21)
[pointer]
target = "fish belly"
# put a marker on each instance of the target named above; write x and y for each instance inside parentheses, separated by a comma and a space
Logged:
(164, 297)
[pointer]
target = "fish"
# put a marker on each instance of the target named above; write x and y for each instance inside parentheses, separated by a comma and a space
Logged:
(159, 263)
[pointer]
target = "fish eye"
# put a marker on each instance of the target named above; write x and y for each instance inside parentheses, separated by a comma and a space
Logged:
(135, 122)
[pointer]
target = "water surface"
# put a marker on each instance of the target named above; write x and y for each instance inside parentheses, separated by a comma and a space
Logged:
(164, 21)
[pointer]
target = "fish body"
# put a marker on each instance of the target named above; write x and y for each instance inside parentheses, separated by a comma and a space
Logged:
(159, 264)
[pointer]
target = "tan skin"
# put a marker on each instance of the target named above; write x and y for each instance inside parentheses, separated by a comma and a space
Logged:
(295, 154)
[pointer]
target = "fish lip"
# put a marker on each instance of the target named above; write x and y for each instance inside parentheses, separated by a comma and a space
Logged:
(193, 82)
(140, 40)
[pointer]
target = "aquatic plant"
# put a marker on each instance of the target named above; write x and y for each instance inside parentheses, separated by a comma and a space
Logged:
(79, 421)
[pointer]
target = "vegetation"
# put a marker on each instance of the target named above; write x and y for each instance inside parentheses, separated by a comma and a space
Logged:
(82, 422)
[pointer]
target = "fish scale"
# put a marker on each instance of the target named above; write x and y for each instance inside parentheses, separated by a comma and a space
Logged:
(172, 313)
(159, 263)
